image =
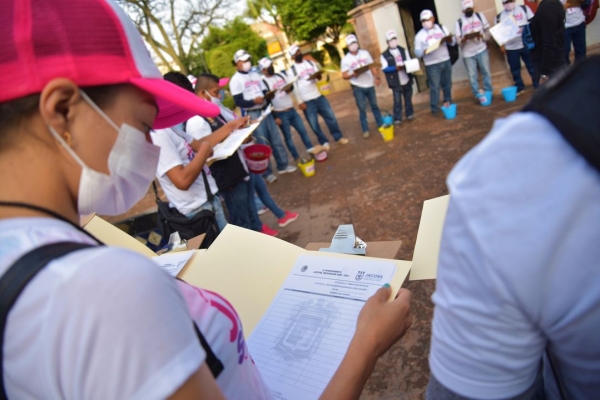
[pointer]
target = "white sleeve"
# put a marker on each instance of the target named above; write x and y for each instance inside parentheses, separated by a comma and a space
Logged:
(383, 61)
(122, 330)
(485, 23)
(457, 30)
(235, 85)
(345, 64)
(197, 127)
(419, 48)
(529, 13)
(169, 156)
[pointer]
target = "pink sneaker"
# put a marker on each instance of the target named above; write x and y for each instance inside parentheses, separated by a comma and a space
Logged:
(287, 219)
(268, 231)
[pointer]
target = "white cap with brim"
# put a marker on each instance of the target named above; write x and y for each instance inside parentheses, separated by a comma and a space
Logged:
(466, 4)
(293, 49)
(265, 63)
(241, 55)
(426, 15)
(351, 39)
(391, 34)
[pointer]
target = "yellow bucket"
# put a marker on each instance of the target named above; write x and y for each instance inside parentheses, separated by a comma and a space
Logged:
(387, 133)
(307, 168)
(324, 87)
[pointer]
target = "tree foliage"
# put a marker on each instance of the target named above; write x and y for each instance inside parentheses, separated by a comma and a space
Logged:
(173, 28)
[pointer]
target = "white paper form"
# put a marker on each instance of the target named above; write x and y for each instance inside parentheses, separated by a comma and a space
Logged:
(304, 335)
(229, 146)
(506, 30)
(173, 262)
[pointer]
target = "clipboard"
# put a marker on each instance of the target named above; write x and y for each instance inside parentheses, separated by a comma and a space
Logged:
(287, 88)
(472, 35)
(363, 69)
(316, 75)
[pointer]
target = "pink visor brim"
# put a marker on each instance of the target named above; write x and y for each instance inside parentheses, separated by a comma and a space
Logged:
(223, 82)
(175, 104)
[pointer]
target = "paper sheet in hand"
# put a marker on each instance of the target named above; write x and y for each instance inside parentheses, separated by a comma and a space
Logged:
(305, 333)
(506, 30)
(412, 65)
(363, 69)
(173, 262)
(229, 146)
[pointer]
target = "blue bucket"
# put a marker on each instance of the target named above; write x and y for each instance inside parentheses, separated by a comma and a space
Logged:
(450, 111)
(509, 93)
(488, 99)
(388, 120)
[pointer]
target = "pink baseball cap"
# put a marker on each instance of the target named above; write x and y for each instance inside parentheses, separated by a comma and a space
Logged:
(92, 43)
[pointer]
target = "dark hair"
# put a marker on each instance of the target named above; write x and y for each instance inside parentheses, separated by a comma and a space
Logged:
(206, 82)
(13, 113)
(180, 80)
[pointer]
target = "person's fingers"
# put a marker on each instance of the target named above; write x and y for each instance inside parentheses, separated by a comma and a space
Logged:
(383, 294)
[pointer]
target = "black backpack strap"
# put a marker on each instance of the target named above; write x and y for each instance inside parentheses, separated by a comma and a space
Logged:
(571, 103)
(209, 194)
(16, 278)
(214, 364)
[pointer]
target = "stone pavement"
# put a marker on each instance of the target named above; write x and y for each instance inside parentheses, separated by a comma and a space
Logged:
(380, 188)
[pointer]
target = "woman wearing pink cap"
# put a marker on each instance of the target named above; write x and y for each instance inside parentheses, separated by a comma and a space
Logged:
(80, 320)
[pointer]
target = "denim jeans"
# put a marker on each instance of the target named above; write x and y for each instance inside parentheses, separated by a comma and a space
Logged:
(267, 133)
(576, 35)
(362, 95)
(288, 119)
(439, 76)
(263, 194)
(238, 204)
(514, 58)
(479, 62)
(214, 206)
(321, 106)
(405, 91)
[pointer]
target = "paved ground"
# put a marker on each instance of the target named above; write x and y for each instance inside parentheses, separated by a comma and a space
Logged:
(380, 188)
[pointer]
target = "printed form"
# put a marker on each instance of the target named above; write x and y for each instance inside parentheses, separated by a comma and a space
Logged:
(303, 337)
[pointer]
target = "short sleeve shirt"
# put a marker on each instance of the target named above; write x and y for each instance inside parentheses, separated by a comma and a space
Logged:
(306, 89)
(249, 85)
(282, 100)
(350, 62)
(522, 16)
(476, 23)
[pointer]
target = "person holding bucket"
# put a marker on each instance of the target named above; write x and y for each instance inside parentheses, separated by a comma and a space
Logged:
(248, 91)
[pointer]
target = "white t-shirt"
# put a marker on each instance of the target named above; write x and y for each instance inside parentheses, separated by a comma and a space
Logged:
(250, 85)
(522, 19)
(519, 263)
(102, 323)
(282, 100)
(306, 90)
(425, 37)
(175, 151)
(574, 16)
(399, 61)
(350, 62)
(472, 47)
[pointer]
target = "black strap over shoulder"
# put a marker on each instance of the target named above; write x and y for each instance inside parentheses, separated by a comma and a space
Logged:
(571, 103)
(16, 278)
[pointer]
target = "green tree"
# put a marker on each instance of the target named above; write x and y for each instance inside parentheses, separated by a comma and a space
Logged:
(221, 43)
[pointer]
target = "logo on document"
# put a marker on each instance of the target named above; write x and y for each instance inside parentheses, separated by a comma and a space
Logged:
(360, 275)
(304, 268)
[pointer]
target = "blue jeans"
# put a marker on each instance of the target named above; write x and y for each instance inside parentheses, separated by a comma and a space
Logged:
(405, 91)
(321, 106)
(238, 204)
(480, 61)
(362, 95)
(439, 75)
(214, 206)
(288, 119)
(263, 193)
(267, 133)
(514, 61)
(576, 35)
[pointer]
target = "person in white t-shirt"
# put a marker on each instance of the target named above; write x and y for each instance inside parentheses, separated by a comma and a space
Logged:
(515, 49)
(472, 32)
(283, 109)
(362, 83)
(248, 91)
(310, 99)
(392, 64)
(574, 31)
(437, 62)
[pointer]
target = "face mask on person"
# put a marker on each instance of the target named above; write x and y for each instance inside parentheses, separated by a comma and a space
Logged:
(298, 58)
(132, 165)
(271, 70)
(468, 13)
(353, 47)
(427, 24)
(214, 100)
(393, 43)
(246, 66)
(509, 7)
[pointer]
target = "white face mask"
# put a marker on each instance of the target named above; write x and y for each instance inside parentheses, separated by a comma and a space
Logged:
(393, 43)
(353, 47)
(427, 24)
(509, 7)
(214, 100)
(132, 165)
(246, 66)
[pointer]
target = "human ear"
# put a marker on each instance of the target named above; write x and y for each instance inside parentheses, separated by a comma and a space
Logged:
(57, 103)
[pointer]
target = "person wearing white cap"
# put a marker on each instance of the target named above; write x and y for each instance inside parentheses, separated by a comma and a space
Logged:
(575, 29)
(437, 62)
(248, 92)
(283, 109)
(362, 83)
(392, 64)
(310, 99)
(472, 31)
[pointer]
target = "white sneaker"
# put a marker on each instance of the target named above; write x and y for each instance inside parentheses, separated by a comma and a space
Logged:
(271, 178)
(262, 211)
(366, 134)
(289, 169)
